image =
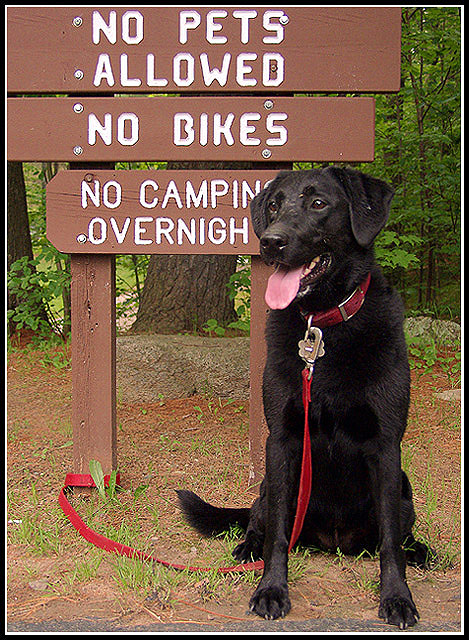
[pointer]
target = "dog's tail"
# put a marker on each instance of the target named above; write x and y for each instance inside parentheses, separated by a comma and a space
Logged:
(207, 519)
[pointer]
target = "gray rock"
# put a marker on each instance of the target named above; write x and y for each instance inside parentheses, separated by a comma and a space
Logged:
(152, 367)
(450, 394)
(442, 331)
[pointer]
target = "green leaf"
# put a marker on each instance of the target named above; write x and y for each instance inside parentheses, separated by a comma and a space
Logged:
(97, 474)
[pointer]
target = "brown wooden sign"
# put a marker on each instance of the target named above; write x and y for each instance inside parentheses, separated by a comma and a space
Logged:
(153, 211)
(169, 128)
(69, 49)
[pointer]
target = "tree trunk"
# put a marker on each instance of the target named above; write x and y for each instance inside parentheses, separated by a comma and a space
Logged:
(182, 292)
(18, 237)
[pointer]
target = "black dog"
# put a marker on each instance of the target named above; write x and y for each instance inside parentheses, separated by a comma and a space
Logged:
(318, 228)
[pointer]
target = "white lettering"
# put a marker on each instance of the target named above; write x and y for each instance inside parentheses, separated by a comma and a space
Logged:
(161, 231)
(217, 193)
(109, 29)
(189, 233)
(126, 18)
(102, 228)
(213, 27)
(194, 231)
(142, 195)
(186, 129)
(224, 129)
(274, 128)
(125, 80)
(242, 69)
(276, 27)
(187, 20)
(243, 231)
(188, 121)
(95, 128)
(245, 129)
(103, 71)
(186, 70)
(273, 69)
(86, 191)
(99, 24)
(177, 69)
(172, 192)
(121, 121)
(235, 194)
(203, 134)
(112, 184)
(151, 72)
(216, 236)
(103, 130)
(247, 194)
(244, 16)
(200, 199)
(120, 234)
(209, 75)
(139, 230)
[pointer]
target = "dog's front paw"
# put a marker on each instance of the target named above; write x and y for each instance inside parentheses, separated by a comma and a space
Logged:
(399, 610)
(270, 602)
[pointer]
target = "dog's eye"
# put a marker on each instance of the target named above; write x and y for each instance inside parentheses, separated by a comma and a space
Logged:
(317, 204)
(272, 206)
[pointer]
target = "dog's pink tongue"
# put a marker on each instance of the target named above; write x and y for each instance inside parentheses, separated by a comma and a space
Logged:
(282, 287)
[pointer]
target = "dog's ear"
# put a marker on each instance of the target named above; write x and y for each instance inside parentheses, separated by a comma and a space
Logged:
(370, 202)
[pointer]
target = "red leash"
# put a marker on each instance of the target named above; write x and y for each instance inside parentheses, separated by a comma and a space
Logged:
(98, 540)
(85, 480)
(304, 491)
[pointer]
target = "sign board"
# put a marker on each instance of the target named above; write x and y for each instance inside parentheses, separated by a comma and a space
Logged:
(191, 129)
(177, 212)
(178, 49)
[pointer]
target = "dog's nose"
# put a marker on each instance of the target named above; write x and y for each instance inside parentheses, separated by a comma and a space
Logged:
(273, 242)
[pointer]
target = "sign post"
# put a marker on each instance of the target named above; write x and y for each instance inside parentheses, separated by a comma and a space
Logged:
(93, 352)
(244, 64)
(93, 361)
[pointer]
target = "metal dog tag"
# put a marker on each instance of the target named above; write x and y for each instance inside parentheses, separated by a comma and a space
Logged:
(311, 347)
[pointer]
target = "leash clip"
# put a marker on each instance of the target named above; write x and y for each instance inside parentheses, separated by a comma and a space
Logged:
(311, 347)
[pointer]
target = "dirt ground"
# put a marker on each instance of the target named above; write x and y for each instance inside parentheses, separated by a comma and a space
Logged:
(198, 442)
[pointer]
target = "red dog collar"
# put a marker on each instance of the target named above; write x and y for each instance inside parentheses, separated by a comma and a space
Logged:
(344, 311)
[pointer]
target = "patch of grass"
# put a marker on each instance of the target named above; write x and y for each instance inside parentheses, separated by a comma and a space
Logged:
(428, 527)
(35, 525)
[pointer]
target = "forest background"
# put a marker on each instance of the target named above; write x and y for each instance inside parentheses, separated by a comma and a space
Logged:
(418, 137)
